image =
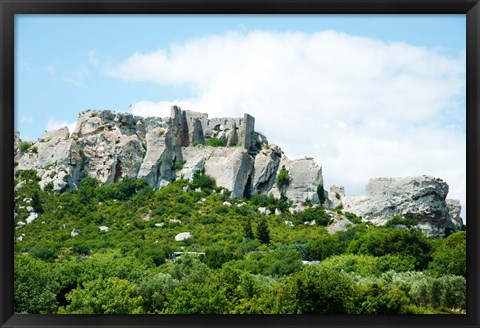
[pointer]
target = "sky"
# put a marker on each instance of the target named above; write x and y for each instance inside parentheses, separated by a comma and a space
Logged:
(365, 95)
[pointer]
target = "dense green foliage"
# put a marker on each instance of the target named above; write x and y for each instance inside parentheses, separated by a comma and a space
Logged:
(243, 262)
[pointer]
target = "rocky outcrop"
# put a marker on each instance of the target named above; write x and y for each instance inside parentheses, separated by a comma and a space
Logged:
(454, 221)
(306, 176)
(266, 166)
(337, 194)
(421, 197)
(56, 157)
(231, 167)
(112, 146)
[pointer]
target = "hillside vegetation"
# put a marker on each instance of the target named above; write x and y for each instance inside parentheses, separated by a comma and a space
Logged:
(246, 262)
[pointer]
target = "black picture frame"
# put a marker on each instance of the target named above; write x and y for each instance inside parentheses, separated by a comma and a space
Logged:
(9, 8)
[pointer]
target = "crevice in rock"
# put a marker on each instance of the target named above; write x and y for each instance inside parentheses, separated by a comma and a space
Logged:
(247, 192)
(118, 172)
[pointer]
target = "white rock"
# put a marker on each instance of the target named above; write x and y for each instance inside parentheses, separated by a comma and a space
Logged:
(306, 176)
(289, 223)
(175, 221)
(29, 209)
(278, 212)
(31, 217)
(104, 228)
(159, 225)
(264, 210)
(182, 236)
(74, 233)
(227, 203)
(420, 197)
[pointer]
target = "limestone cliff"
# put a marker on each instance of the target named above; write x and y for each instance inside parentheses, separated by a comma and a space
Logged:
(421, 197)
(111, 146)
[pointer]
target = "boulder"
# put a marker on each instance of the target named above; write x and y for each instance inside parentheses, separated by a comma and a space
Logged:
(336, 196)
(158, 161)
(182, 236)
(266, 165)
(306, 176)
(419, 197)
(454, 221)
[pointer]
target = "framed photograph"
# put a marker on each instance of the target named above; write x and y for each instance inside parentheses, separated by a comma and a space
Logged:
(271, 163)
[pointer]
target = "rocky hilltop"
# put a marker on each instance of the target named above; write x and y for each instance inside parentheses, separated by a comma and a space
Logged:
(111, 146)
(422, 198)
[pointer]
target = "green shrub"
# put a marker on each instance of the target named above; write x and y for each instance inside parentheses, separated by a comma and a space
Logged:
(178, 165)
(318, 290)
(353, 218)
(35, 289)
(203, 181)
(263, 233)
(399, 220)
(216, 142)
(283, 180)
(25, 146)
(363, 265)
(451, 256)
(313, 213)
(321, 194)
(105, 296)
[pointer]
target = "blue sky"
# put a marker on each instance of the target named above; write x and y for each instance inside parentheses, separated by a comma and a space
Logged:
(394, 83)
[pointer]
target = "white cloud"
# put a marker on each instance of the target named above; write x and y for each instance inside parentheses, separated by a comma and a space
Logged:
(362, 107)
(54, 124)
(26, 119)
(161, 108)
(92, 58)
(77, 77)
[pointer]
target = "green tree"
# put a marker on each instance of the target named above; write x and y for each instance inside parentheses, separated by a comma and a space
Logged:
(380, 241)
(319, 290)
(203, 181)
(380, 300)
(35, 291)
(451, 256)
(321, 194)
(283, 180)
(363, 265)
(154, 290)
(36, 203)
(105, 296)
(206, 298)
(25, 146)
(247, 229)
(263, 233)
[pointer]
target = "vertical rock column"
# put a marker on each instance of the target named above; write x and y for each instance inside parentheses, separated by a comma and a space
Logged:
(249, 126)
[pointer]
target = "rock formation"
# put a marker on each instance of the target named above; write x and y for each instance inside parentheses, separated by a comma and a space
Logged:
(111, 146)
(421, 197)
